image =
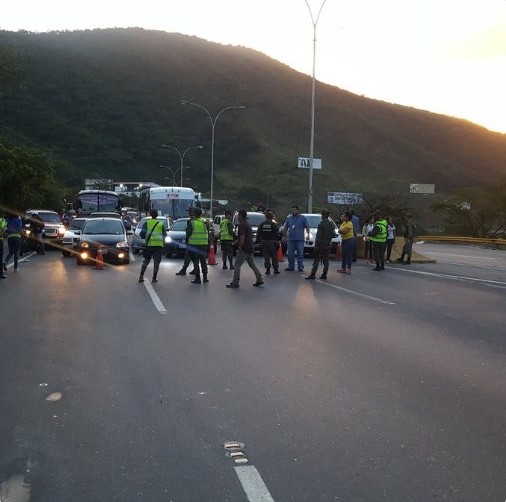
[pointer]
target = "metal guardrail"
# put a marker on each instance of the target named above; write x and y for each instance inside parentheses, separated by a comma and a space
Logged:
(464, 240)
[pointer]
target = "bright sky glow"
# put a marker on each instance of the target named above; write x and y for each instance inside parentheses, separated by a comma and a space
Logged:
(446, 56)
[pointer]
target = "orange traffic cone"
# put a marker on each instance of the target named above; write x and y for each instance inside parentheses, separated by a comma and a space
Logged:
(280, 253)
(338, 252)
(99, 262)
(211, 259)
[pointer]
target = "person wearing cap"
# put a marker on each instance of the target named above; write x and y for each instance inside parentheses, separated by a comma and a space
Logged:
(187, 258)
(227, 238)
(324, 234)
(268, 236)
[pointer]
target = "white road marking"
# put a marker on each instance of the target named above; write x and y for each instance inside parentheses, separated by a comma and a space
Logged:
(155, 298)
(368, 297)
(485, 282)
(252, 484)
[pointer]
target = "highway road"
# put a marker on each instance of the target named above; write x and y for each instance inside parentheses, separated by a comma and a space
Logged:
(366, 387)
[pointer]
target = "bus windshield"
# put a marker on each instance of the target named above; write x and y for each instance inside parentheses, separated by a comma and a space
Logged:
(91, 201)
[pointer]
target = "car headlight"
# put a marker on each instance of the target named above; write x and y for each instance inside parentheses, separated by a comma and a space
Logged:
(85, 244)
(61, 230)
(122, 244)
(168, 239)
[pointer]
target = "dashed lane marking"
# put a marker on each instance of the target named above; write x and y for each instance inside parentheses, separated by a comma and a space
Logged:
(363, 295)
(252, 484)
(155, 298)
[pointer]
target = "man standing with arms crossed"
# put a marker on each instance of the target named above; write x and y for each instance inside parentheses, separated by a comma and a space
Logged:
(294, 228)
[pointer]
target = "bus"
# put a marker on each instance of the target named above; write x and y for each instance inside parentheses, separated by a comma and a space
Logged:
(97, 201)
(169, 201)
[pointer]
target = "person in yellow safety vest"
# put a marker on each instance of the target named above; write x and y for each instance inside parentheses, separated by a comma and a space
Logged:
(197, 239)
(226, 239)
(3, 227)
(378, 236)
(154, 232)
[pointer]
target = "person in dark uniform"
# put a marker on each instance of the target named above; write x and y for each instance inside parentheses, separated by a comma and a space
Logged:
(324, 234)
(268, 236)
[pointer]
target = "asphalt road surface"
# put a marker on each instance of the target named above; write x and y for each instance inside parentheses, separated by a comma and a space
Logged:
(366, 387)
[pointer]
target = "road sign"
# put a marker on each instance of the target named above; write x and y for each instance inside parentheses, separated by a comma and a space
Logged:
(304, 163)
(421, 188)
(345, 198)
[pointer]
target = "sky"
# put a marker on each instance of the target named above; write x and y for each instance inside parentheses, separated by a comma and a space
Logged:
(445, 56)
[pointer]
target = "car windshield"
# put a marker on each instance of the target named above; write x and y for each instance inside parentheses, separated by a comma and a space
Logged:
(50, 217)
(77, 224)
(179, 225)
(111, 227)
(314, 220)
(255, 219)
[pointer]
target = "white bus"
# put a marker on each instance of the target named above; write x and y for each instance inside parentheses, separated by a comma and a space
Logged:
(170, 201)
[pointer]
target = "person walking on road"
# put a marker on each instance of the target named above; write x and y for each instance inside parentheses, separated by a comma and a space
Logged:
(378, 237)
(268, 236)
(226, 239)
(13, 231)
(294, 228)
(347, 242)
(3, 228)
(197, 239)
(187, 258)
(324, 234)
(410, 234)
(154, 232)
(245, 248)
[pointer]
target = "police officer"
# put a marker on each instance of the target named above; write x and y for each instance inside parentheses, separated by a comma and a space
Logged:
(226, 239)
(268, 236)
(378, 237)
(154, 232)
(197, 238)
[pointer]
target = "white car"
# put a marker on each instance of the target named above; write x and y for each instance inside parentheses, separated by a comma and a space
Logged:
(70, 238)
(314, 220)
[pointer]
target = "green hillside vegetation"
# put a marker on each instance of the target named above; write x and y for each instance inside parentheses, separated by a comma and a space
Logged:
(100, 103)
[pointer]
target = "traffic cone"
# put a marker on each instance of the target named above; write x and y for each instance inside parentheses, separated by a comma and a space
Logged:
(338, 252)
(99, 262)
(211, 259)
(280, 253)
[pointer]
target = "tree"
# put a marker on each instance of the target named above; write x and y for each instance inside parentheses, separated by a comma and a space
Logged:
(475, 212)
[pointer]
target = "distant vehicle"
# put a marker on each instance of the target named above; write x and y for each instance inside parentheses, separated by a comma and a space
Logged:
(107, 233)
(70, 238)
(138, 244)
(314, 220)
(175, 242)
(53, 226)
(169, 201)
(94, 201)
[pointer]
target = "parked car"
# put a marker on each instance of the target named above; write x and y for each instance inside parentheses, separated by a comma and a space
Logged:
(175, 242)
(53, 227)
(314, 220)
(107, 233)
(70, 238)
(138, 244)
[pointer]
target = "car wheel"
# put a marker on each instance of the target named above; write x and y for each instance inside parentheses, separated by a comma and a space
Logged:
(79, 261)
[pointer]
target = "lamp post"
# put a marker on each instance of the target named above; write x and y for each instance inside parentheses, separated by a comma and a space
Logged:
(213, 124)
(172, 171)
(181, 157)
(313, 91)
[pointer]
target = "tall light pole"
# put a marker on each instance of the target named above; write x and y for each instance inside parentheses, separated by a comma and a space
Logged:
(213, 124)
(311, 143)
(181, 156)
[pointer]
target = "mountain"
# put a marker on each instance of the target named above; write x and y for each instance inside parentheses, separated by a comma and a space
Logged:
(102, 102)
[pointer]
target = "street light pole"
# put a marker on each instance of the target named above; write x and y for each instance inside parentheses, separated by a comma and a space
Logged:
(313, 93)
(181, 157)
(213, 124)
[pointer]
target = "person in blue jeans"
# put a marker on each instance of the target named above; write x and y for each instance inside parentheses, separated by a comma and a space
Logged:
(294, 228)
